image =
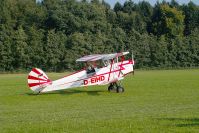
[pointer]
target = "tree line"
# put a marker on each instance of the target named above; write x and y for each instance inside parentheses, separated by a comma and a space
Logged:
(52, 34)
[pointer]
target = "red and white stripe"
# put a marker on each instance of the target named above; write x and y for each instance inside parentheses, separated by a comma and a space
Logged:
(37, 80)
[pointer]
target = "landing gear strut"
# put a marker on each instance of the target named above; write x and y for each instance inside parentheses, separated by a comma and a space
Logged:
(115, 87)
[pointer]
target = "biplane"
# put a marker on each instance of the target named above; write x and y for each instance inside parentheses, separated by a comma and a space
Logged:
(100, 69)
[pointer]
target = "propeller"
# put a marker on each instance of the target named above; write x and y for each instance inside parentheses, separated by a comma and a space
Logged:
(132, 57)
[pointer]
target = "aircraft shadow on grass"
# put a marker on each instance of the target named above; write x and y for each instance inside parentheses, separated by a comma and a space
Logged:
(70, 92)
(183, 122)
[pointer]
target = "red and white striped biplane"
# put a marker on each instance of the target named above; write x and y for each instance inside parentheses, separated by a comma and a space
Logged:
(101, 69)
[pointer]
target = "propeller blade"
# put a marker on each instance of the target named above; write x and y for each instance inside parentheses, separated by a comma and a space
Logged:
(132, 57)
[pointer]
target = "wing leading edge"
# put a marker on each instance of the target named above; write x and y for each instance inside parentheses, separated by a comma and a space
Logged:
(96, 57)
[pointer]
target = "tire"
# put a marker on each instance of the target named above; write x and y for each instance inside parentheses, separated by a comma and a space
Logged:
(110, 88)
(120, 89)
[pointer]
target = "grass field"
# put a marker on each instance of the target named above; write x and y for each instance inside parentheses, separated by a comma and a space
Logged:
(154, 101)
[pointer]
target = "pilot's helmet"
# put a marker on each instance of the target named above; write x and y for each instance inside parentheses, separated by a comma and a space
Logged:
(89, 67)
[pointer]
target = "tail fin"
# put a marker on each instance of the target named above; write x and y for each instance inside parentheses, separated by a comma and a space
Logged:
(38, 80)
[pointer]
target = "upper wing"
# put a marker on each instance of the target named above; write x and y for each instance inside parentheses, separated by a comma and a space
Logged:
(100, 57)
(90, 58)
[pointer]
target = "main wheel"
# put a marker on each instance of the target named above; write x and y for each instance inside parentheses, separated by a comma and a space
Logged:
(110, 88)
(120, 89)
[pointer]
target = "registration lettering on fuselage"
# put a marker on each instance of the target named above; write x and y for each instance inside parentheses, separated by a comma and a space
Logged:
(94, 80)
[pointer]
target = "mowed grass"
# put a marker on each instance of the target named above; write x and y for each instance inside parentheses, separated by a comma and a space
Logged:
(153, 101)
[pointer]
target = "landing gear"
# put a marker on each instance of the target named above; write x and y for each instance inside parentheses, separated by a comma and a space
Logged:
(115, 87)
(120, 89)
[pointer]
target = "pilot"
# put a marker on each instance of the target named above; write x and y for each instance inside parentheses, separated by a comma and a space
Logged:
(106, 62)
(90, 68)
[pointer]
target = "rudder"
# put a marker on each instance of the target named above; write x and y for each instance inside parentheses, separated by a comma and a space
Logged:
(38, 80)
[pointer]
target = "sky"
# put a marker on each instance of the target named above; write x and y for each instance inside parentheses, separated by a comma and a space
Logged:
(112, 2)
(152, 2)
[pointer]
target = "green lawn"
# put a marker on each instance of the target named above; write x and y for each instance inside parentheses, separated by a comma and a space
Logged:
(153, 101)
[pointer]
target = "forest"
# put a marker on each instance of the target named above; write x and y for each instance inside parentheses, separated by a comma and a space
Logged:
(52, 34)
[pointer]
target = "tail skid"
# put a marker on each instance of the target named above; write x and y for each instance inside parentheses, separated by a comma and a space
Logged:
(38, 80)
